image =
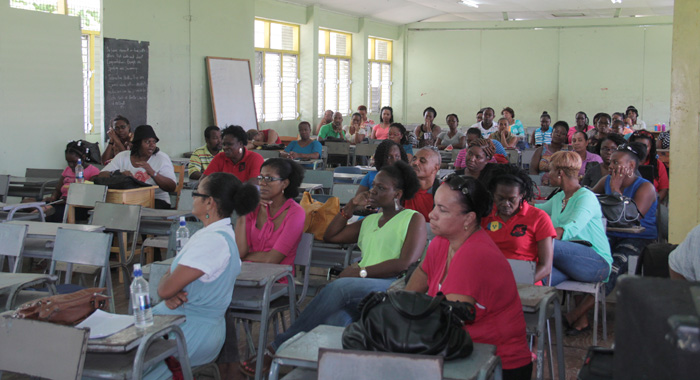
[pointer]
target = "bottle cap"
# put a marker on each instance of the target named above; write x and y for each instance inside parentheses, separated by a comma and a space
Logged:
(137, 270)
(80, 162)
(182, 221)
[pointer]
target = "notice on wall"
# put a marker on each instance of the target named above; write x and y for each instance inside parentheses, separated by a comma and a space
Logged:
(126, 80)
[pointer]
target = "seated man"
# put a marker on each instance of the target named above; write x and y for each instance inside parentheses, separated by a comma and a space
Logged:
(265, 137)
(684, 261)
(202, 156)
(426, 164)
(333, 131)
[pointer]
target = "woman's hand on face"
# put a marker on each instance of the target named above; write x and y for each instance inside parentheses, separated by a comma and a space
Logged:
(265, 202)
(617, 176)
(176, 301)
(112, 134)
(361, 200)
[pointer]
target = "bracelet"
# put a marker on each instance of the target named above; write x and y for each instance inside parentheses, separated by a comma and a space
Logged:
(342, 212)
(155, 174)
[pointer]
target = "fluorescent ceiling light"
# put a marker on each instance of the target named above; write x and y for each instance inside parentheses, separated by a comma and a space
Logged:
(616, 1)
(469, 3)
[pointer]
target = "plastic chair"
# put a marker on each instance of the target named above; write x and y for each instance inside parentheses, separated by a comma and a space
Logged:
(526, 158)
(363, 150)
(42, 349)
(268, 153)
(339, 149)
(324, 177)
(358, 365)
(344, 191)
(12, 237)
(84, 196)
(597, 289)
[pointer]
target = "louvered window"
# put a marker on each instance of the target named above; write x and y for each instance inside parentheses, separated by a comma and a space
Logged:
(276, 77)
(334, 75)
(379, 72)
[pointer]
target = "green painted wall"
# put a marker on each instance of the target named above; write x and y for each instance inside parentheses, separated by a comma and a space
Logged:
(41, 93)
(599, 66)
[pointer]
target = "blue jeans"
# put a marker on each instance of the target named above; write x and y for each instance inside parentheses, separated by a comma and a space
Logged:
(577, 262)
(335, 305)
(622, 249)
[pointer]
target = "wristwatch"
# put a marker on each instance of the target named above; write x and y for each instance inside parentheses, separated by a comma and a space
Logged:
(363, 272)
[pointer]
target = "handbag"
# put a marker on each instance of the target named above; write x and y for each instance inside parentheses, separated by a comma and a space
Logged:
(412, 323)
(318, 215)
(620, 211)
(119, 181)
(64, 309)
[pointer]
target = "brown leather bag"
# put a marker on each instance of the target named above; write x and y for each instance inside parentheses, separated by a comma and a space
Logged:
(318, 215)
(65, 309)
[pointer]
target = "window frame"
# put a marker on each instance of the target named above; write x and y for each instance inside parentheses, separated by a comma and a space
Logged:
(282, 52)
(372, 59)
(324, 57)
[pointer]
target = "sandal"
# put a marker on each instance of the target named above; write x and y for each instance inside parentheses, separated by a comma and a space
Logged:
(247, 367)
(573, 331)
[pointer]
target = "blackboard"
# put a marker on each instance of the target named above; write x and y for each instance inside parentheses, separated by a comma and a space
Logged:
(125, 80)
(231, 86)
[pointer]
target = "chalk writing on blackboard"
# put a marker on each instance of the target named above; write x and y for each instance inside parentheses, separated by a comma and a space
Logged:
(126, 80)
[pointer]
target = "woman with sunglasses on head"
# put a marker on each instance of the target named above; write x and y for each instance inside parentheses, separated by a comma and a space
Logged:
(200, 282)
(521, 231)
(389, 240)
(464, 263)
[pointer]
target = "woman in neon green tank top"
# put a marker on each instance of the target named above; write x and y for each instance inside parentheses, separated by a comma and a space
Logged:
(390, 241)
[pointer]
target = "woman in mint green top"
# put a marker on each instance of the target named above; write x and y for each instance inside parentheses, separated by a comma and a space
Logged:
(390, 241)
(576, 216)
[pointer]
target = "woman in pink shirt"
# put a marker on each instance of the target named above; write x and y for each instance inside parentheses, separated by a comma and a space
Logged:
(272, 232)
(381, 130)
(580, 126)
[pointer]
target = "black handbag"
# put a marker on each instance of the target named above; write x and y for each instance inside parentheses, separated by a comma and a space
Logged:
(412, 323)
(620, 211)
(119, 181)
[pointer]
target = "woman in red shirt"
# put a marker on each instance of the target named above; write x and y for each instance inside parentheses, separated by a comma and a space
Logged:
(463, 263)
(660, 173)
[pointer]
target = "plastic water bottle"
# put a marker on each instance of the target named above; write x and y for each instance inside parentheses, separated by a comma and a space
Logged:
(79, 176)
(140, 300)
(182, 235)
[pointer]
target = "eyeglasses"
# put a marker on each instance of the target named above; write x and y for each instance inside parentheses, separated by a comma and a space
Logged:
(458, 182)
(196, 194)
(269, 179)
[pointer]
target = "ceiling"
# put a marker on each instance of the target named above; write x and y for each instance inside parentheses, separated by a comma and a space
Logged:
(398, 12)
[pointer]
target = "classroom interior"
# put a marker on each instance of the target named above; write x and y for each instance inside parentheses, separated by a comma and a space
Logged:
(561, 66)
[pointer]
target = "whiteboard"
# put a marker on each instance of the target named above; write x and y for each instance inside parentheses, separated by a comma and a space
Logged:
(231, 86)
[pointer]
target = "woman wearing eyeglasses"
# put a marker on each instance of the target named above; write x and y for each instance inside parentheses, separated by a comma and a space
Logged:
(119, 138)
(464, 263)
(236, 158)
(200, 281)
(389, 240)
(272, 233)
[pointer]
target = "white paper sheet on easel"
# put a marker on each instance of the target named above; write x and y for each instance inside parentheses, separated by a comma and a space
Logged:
(104, 324)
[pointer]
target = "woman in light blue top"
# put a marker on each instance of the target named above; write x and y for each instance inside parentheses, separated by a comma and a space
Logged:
(200, 281)
(516, 126)
(305, 148)
(576, 216)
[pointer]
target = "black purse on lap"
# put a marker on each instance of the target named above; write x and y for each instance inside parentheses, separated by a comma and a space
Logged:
(411, 323)
(620, 211)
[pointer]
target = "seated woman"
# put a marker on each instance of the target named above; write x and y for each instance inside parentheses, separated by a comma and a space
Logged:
(427, 132)
(265, 137)
(579, 143)
(503, 135)
(390, 241)
(75, 151)
(543, 135)
(388, 152)
(474, 159)
(515, 127)
(146, 163)
(453, 137)
(305, 148)
(602, 122)
(540, 159)
(236, 158)
(659, 169)
(381, 130)
(520, 231)
(596, 171)
(200, 281)
(119, 138)
(355, 133)
(581, 250)
(463, 263)
(581, 126)
(272, 233)
(399, 135)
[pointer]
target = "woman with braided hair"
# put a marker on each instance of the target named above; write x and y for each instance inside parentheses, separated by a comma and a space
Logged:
(521, 231)
(474, 159)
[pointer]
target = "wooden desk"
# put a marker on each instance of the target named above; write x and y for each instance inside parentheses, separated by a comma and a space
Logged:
(144, 196)
(302, 351)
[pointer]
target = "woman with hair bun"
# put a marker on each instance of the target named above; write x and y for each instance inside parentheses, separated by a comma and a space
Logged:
(465, 265)
(200, 282)
(389, 240)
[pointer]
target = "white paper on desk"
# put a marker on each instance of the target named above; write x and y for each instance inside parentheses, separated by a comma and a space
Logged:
(104, 324)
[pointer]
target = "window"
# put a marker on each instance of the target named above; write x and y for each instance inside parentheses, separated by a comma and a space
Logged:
(89, 13)
(276, 77)
(379, 83)
(334, 49)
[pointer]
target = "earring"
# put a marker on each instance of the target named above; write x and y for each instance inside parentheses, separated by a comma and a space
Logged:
(240, 150)
(397, 206)
(207, 216)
